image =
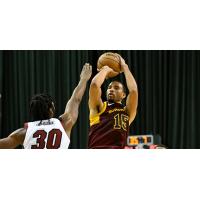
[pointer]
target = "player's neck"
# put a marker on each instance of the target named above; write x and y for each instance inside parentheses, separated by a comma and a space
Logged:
(112, 102)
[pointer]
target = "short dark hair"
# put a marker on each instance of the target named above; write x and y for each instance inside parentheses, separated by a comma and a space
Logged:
(40, 105)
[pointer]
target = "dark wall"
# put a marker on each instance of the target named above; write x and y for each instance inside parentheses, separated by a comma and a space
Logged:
(168, 83)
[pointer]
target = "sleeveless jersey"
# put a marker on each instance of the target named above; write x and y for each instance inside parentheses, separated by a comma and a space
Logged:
(109, 128)
(45, 134)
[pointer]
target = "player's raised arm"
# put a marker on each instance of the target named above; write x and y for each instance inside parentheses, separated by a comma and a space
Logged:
(13, 140)
(71, 111)
(95, 101)
(132, 98)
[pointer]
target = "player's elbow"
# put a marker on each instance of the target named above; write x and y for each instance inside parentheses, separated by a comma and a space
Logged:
(75, 99)
(133, 92)
(78, 100)
(94, 84)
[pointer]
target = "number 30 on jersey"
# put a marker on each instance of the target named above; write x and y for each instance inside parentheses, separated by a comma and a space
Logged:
(51, 140)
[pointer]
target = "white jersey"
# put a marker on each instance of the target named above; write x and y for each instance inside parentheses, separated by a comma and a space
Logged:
(46, 134)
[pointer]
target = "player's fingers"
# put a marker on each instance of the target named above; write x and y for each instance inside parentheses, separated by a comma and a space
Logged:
(89, 66)
(86, 64)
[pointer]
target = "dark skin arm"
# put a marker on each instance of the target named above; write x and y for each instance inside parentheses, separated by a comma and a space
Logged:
(71, 111)
(15, 139)
(68, 118)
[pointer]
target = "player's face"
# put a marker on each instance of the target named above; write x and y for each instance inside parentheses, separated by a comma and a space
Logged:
(115, 92)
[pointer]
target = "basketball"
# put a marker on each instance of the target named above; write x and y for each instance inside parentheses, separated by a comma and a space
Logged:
(111, 60)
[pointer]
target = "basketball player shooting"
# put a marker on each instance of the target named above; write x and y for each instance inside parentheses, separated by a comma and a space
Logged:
(110, 120)
(46, 132)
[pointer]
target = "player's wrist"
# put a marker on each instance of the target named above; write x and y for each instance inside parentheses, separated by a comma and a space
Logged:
(84, 79)
(124, 68)
(106, 69)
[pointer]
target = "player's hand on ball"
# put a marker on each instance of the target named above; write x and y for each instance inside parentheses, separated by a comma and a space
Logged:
(105, 68)
(122, 63)
(110, 72)
(86, 72)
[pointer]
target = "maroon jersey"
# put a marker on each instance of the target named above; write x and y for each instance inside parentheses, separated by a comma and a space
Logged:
(109, 128)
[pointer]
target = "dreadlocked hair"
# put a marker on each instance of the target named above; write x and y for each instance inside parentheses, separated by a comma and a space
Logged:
(39, 106)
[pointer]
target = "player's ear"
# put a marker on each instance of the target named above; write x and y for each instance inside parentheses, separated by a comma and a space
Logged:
(51, 112)
(124, 95)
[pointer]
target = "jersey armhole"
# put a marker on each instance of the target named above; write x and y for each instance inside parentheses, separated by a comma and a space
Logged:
(101, 111)
(61, 121)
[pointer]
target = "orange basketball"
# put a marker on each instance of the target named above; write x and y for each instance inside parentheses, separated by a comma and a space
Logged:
(111, 60)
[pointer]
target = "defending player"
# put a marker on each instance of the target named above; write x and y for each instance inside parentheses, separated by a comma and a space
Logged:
(46, 132)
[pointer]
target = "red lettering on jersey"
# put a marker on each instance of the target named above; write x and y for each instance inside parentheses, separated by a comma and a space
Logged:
(53, 140)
